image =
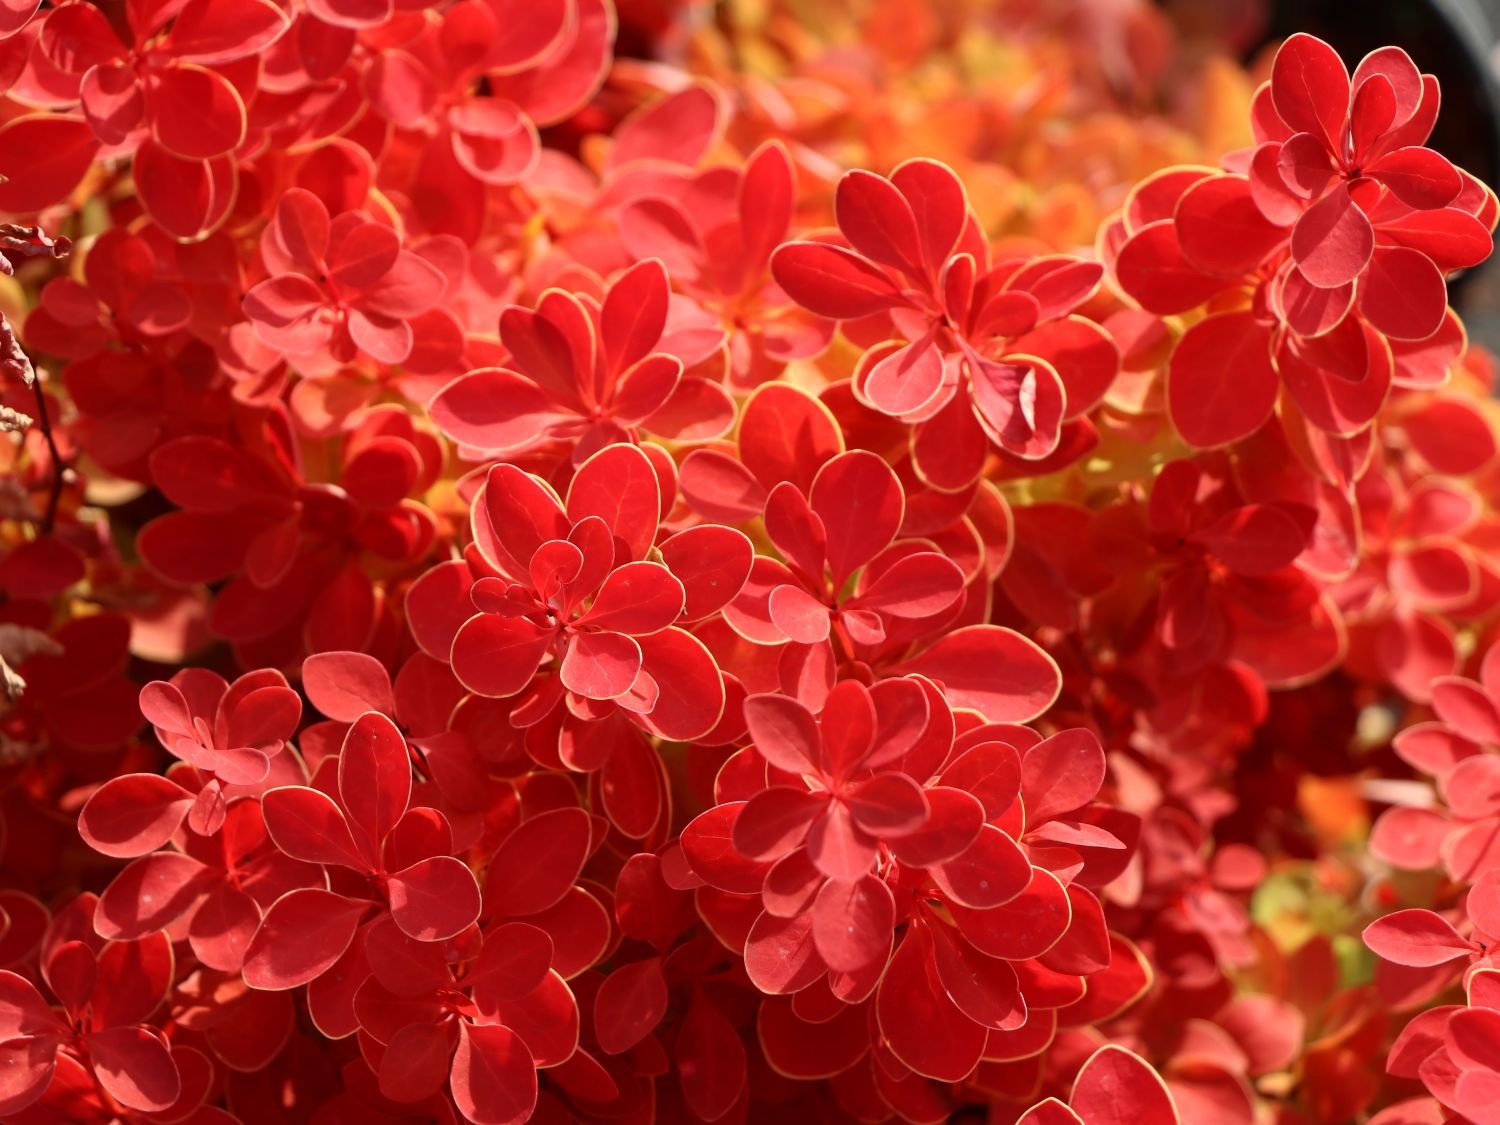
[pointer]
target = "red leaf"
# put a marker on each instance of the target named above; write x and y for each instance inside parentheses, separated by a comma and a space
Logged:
(775, 821)
(992, 670)
(797, 531)
(991, 772)
(720, 487)
(1467, 708)
(27, 1066)
(538, 863)
(495, 410)
(521, 514)
(1118, 1087)
(1268, 1029)
(1395, 66)
(1026, 926)
(301, 937)
(877, 220)
(712, 563)
(150, 895)
(658, 228)
(636, 599)
(411, 286)
(799, 615)
(437, 605)
(767, 198)
(344, 685)
(15, 15)
(1418, 177)
(222, 927)
(1085, 948)
(781, 956)
(1417, 938)
(910, 382)
(401, 964)
(832, 281)
(990, 872)
(515, 959)
(1410, 838)
(1311, 311)
(710, 1060)
(1333, 240)
(984, 988)
(187, 198)
(630, 1002)
(1221, 230)
(42, 568)
(852, 923)
(915, 587)
(786, 435)
(71, 971)
(839, 847)
(1152, 268)
(952, 826)
(195, 113)
(1310, 89)
(922, 1026)
(1059, 283)
(374, 778)
(618, 485)
(1483, 904)
(647, 388)
(1085, 356)
(690, 691)
(23, 1012)
(1450, 237)
(888, 805)
(1049, 1111)
(937, 200)
(707, 845)
(846, 726)
(133, 814)
(498, 656)
(287, 312)
(493, 1077)
(416, 1062)
(634, 314)
(601, 665)
(633, 787)
(42, 159)
(208, 475)
(137, 975)
(1221, 386)
(434, 899)
(677, 129)
(134, 1068)
(860, 502)
(209, 33)
(1256, 539)
(1403, 293)
(1473, 1038)
(361, 254)
(1060, 774)
(306, 824)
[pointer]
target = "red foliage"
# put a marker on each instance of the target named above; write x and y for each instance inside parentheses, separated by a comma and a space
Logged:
(639, 618)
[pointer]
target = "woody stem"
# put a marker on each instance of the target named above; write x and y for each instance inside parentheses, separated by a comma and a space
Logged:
(44, 424)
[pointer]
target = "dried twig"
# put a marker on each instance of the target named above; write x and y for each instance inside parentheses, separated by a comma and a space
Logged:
(30, 242)
(12, 421)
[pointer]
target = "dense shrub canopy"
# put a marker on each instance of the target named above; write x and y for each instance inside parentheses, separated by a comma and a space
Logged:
(649, 561)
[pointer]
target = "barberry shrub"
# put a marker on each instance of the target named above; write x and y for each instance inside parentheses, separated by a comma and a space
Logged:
(572, 560)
